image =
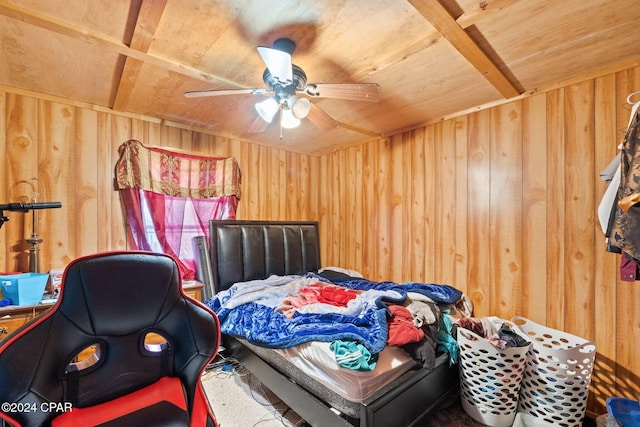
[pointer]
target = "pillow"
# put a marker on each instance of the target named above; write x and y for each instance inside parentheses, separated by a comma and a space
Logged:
(346, 272)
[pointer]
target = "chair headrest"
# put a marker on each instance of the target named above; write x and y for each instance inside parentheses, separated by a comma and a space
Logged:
(97, 287)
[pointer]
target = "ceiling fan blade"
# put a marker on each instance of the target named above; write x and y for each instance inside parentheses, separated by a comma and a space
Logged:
(278, 63)
(258, 125)
(218, 92)
(320, 118)
(353, 91)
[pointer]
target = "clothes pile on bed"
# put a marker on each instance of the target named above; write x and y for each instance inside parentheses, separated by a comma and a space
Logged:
(358, 317)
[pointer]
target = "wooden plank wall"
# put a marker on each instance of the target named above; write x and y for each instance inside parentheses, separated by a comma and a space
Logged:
(501, 203)
(68, 152)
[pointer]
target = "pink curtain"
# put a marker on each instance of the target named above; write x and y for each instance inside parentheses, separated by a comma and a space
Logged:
(170, 197)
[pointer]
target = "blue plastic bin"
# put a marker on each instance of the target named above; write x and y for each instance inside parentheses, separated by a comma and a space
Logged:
(625, 411)
(25, 288)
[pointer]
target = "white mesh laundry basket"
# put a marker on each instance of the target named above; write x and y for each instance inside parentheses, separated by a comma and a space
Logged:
(489, 378)
(556, 381)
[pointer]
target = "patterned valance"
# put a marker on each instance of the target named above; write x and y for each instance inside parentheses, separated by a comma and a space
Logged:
(176, 174)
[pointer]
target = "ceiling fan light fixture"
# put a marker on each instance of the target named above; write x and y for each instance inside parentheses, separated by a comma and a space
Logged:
(267, 109)
(283, 80)
(288, 120)
(299, 106)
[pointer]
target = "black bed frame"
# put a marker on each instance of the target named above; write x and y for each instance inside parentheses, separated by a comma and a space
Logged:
(248, 250)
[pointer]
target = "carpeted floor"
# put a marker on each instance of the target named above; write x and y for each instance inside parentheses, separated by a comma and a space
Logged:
(238, 399)
(450, 414)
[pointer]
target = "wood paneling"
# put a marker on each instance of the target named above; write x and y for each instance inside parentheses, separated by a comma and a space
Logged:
(71, 152)
(534, 208)
(478, 212)
(500, 202)
(141, 56)
(556, 142)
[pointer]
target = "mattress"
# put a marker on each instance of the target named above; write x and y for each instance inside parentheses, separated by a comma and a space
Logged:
(317, 360)
(242, 251)
(444, 378)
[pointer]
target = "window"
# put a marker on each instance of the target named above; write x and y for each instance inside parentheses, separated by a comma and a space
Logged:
(169, 198)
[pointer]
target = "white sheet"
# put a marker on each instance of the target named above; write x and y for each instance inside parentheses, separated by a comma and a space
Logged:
(317, 360)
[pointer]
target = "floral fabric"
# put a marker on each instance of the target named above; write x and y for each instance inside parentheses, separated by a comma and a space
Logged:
(176, 174)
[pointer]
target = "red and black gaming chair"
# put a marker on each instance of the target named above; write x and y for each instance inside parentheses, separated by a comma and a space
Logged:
(148, 344)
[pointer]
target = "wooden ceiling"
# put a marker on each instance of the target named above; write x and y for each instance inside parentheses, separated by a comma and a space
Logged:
(432, 58)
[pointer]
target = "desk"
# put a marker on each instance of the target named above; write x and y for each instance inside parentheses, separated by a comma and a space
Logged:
(13, 316)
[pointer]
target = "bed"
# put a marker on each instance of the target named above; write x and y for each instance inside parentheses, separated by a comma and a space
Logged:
(247, 252)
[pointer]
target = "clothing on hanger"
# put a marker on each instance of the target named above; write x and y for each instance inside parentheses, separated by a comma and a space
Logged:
(624, 233)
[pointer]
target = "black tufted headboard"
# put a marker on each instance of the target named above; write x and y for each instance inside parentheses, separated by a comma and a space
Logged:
(248, 250)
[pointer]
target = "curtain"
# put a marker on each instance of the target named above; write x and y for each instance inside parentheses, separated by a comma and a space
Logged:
(169, 198)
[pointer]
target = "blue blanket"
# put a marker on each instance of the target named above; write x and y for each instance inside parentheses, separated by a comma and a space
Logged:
(252, 310)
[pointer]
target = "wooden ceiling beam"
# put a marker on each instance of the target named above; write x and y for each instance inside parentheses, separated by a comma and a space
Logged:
(481, 9)
(114, 45)
(467, 19)
(445, 23)
(359, 129)
(418, 46)
(146, 25)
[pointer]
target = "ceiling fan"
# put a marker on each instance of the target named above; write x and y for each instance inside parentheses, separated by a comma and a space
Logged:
(286, 82)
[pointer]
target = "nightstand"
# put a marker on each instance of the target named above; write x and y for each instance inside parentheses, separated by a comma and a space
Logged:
(193, 288)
